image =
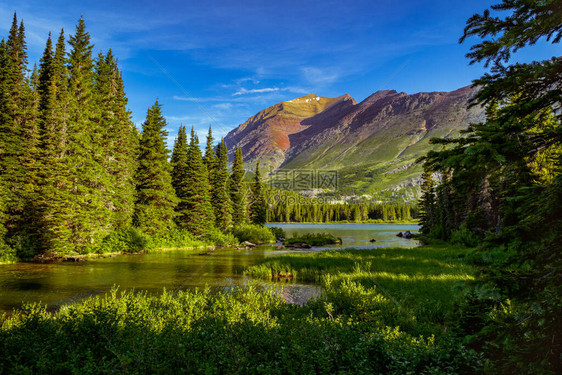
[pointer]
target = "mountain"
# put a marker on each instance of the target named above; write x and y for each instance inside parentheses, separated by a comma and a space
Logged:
(372, 145)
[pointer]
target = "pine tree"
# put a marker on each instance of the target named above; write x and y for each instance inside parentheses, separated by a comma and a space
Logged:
(195, 210)
(427, 202)
(55, 185)
(220, 198)
(210, 159)
(179, 173)
(258, 205)
(92, 184)
(18, 137)
(156, 199)
(119, 139)
(237, 190)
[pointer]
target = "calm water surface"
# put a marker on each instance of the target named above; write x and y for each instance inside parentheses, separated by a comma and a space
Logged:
(59, 283)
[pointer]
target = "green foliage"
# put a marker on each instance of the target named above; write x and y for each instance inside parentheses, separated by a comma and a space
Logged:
(129, 240)
(156, 199)
(220, 197)
(177, 238)
(257, 234)
(501, 187)
(289, 206)
(194, 209)
(90, 180)
(237, 189)
(7, 254)
(258, 204)
(418, 289)
(465, 237)
(278, 232)
(313, 239)
(220, 238)
(242, 331)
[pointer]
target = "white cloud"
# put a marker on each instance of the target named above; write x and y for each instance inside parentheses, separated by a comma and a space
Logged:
(223, 106)
(318, 76)
(244, 91)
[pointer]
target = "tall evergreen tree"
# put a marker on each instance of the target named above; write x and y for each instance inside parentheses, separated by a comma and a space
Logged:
(55, 184)
(18, 135)
(220, 198)
(156, 199)
(195, 209)
(210, 159)
(119, 139)
(427, 202)
(179, 174)
(237, 189)
(502, 183)
(91, 213)
(258, 204)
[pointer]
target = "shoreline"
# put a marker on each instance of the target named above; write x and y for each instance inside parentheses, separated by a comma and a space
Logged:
(85, 257)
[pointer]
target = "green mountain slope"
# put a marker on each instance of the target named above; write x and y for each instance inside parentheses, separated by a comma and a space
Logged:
(372, 145)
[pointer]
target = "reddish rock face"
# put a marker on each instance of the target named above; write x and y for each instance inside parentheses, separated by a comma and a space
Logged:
(265, 136)
(338, 133)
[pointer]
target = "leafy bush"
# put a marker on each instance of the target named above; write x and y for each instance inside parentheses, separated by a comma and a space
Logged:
(177, 238)
(253, 233)
(466, 238)
(7, 254)
(218, 238)
(237, 332)
(314, 239)
(23, 246)
(131, 240)
(277, 232)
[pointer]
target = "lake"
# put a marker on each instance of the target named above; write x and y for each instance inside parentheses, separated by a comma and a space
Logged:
(56, 284)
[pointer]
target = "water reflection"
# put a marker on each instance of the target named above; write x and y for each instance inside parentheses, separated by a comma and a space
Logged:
(60, 283)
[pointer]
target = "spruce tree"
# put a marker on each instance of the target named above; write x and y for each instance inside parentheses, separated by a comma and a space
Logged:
(210, 159)
(55, 184)
(119, 139)
(179, 173)
(220, 197)
(156, 199)
(237, 189)
(258, 205)
(195, 210)
(18, 137)
(92, 184)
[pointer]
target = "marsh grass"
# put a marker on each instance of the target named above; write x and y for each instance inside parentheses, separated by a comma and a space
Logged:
(421, 286)
(383, 311)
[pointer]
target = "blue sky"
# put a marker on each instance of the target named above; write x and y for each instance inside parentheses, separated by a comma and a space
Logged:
(220, 62)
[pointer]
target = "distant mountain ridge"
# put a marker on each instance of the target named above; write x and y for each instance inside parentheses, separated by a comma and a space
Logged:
(372, 144)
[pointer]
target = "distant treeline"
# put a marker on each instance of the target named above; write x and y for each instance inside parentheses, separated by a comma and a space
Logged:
(284, 206)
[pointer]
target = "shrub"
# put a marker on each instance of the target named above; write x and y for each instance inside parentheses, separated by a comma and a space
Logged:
(7, 254)
(236, 332)
(219, 238)
(177, 238)
(465, 237)
(253, 233)
(277, 232)
(131, 240)
(314, 239)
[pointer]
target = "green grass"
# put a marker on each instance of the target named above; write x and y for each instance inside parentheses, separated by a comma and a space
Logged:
(313, 239)
(382, 311)
(257, 234)
(239, 332)
(422, 285)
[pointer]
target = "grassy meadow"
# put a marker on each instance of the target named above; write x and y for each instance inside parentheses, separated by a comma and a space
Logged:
(383, 311)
